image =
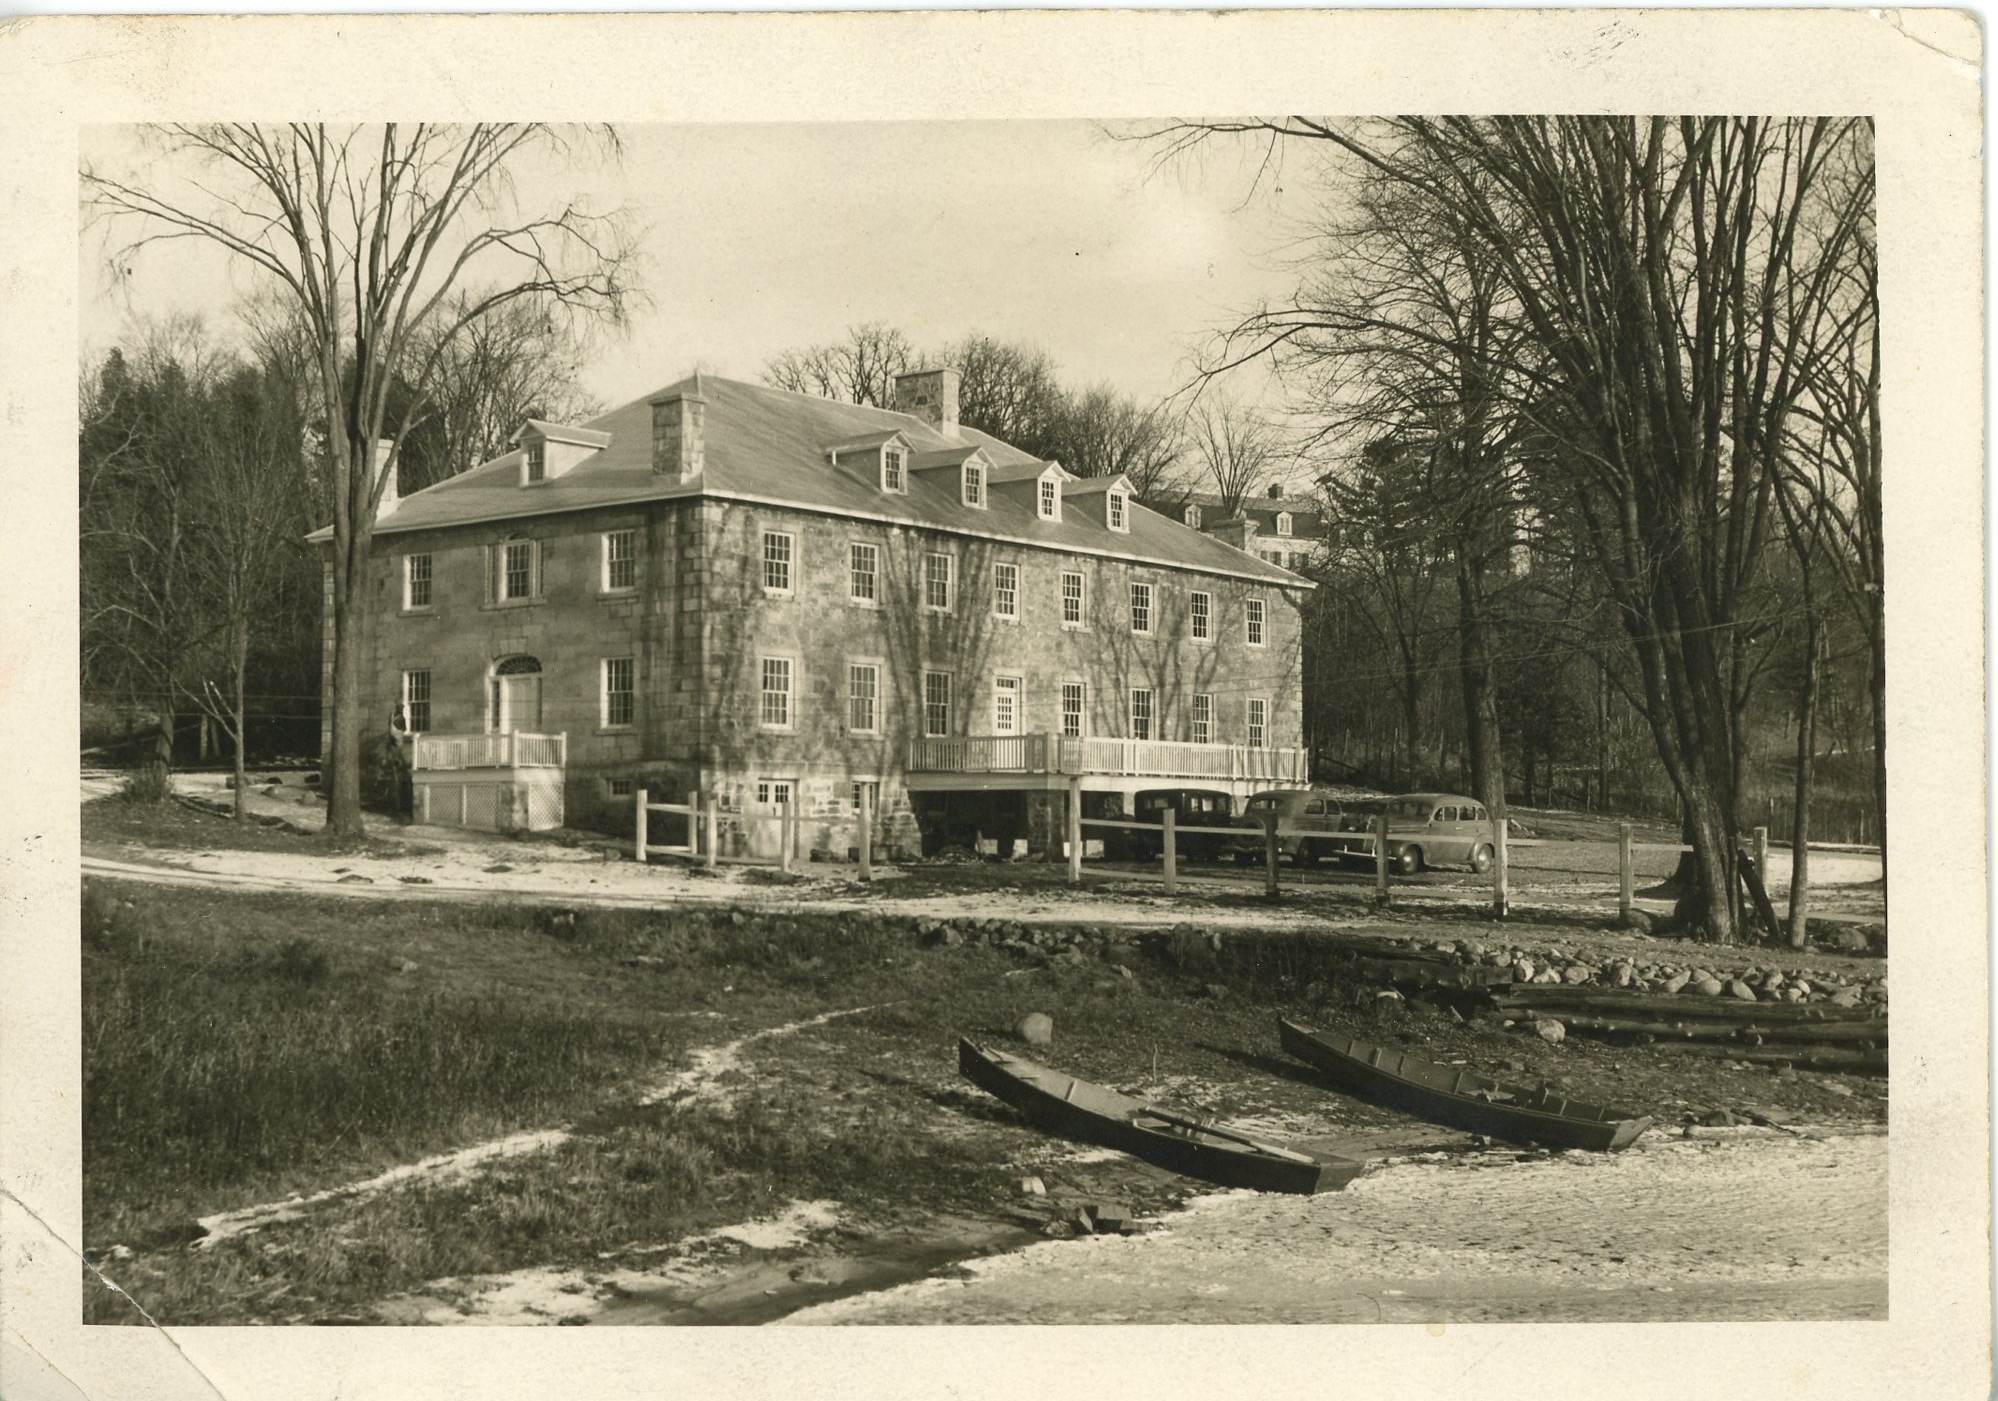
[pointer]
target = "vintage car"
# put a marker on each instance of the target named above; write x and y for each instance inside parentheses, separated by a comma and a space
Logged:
(1301, 814)
(1430, 829)
(1191, 807)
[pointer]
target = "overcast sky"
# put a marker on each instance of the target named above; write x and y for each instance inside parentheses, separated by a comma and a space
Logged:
(766, 237)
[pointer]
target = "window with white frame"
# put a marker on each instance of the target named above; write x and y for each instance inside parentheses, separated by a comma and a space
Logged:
(1203, 719)
(620, 561)
(863, 573)
(1283, 522)
(1259, 721)
(620, 694)
(1119, 511)
(779, 552)
(974, 484)
(416, 700)
(1006, 590)
(1073, 613)
(1200, 616)
(1050, 499)
(936, 582)
(936, 703)
(870, 787)
(1073, 703)
(1141, 712)
(416, 581)
(1255, 619)
(1006, 705)
(773, 793)
(894, 469)
(537, 462)
(519, 570)
(1141, 608)
(775, 712)
(1191, 516)
(863, 698)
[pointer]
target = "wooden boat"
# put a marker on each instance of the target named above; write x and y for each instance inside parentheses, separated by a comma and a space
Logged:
(1460, 1098)
(1074, 1108)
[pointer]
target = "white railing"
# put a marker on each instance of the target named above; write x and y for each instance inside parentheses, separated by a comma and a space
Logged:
(1133, 758)
(512, 749)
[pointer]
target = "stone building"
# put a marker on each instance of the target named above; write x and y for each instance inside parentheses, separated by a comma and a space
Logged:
(1284, 530)
(775, 599)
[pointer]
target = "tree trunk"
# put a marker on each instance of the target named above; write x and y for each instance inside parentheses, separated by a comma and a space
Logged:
(157, 769)
(239, 663)
(343, 803)
(1800, 818)
(1877, 693)
(1481, 718)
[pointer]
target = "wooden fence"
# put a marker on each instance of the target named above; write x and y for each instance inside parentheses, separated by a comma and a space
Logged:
(703, 842)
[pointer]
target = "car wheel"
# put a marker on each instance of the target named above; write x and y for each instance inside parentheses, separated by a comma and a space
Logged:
(1408, 860)
(1481, 859)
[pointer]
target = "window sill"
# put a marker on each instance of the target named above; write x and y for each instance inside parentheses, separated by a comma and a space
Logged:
(1007, 618)
(869, 603)
(769, 592)
(428, 610)
(502, 603)
(1075, 627)
(617, 729)
(617, 595)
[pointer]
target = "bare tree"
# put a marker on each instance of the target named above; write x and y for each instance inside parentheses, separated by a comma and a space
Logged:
(1237, 447)
(1104, 433)
(860, 369)
(391, 242)
(1010, 391)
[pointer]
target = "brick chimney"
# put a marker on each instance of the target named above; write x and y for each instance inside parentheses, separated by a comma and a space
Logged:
(385, 465)
(679, 433)
(1238, 532)
(930, 395)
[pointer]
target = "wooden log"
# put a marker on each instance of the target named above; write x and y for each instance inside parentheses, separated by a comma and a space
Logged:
(1804, 1057)
(1874, 1034)
(1751, 879)
(1675, 1005)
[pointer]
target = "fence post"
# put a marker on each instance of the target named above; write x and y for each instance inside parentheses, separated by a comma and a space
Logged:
(1624, 882)
(693, 824)
(866, 832)
(710, 816)
(1171, 856)
(1075, 830)
(1501, 866)
(1270, 853)
(639, 826)
(784, 839)
(1380, 859)
(1762, 855)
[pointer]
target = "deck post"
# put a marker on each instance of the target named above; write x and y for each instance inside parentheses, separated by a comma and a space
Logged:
(1075, 829)
(1624, 883)
(1380, 858)
(1501, 864)
(693, 824)
(638, 826)
(1170, 856)
(711, 818)
(866, 832)
(1270, 854)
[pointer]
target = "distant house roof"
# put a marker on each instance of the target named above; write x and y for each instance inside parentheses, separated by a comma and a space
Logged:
(769, 445)
(1307, 517)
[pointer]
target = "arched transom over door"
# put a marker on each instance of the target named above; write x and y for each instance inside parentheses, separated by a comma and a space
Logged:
(515, 698)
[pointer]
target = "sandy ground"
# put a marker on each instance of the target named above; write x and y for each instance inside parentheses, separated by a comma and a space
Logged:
(1738, 1224)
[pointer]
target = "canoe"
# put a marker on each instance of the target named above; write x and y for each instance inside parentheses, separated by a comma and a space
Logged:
(1077, 1109)
(1460, 1098)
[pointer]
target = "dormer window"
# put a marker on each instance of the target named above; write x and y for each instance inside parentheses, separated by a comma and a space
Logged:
(1118, 513)
(536, 469)
(1191, 516)
(974, 484)
(1283, 523)
(894, 469)
(1050, 499)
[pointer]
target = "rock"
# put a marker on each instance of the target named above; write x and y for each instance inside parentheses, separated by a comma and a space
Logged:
(1639, 921)
(1546, 975)
(1737, 988)
(1834, 1087)
(1677, 980)
(1845, 997)
(1708, 987)
(406, 967)
(1794, 994)
(1036, 1029)
(1033, 1187)
(1848, 940)
(1626, 974)
(1576, 973)
(1719, 1119)
(1705, 975)
(1802, 987)
(1550, 1031)
(1523, 970)
(1512, 1063)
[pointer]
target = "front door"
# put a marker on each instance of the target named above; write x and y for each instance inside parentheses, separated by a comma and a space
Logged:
(517, 703)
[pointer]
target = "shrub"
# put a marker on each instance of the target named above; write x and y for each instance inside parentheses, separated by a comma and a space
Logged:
(150, 783)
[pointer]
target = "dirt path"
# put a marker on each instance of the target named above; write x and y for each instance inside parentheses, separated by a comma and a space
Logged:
(1737, 1225)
